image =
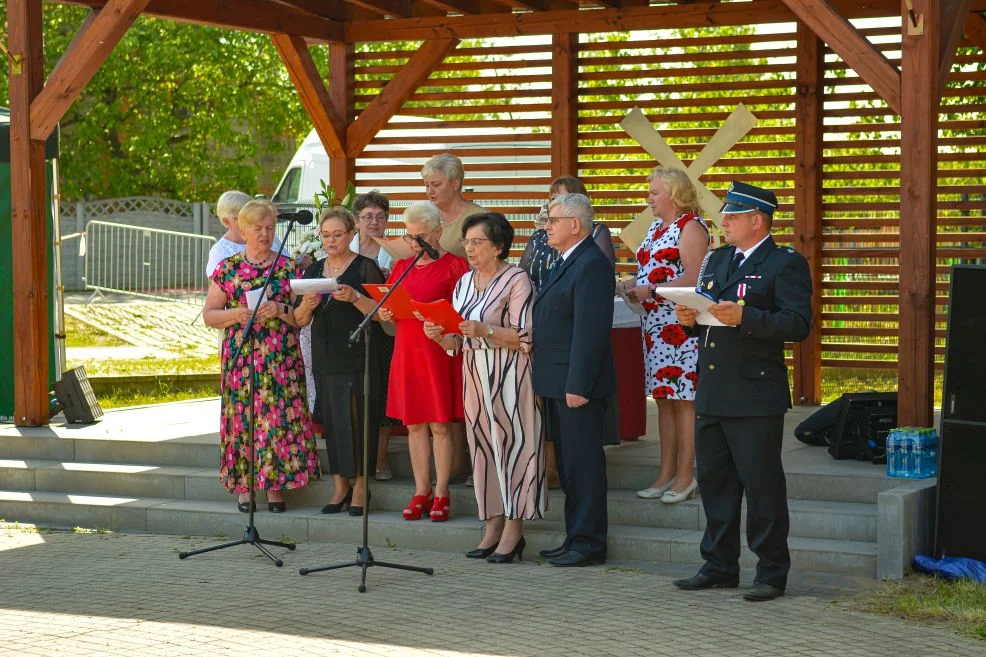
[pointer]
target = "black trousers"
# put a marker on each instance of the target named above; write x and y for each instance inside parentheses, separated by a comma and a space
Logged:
(737, 455)
(578, 434)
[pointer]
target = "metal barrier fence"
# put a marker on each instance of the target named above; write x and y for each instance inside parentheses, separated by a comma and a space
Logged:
(146, 262)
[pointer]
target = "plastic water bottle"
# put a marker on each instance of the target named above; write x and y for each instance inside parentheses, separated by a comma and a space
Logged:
(931, 454)
(919, 459)
(893, 453)
(904, 445)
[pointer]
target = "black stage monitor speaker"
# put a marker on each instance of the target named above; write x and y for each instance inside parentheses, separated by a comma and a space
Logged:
(959, 530)
(865, 419)
(76, 397)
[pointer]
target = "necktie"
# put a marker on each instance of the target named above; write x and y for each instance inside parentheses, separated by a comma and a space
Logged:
(555, 266)
(735, 264)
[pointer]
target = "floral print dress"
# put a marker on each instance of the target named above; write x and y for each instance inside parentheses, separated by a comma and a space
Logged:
(670, 356)
(286, 456)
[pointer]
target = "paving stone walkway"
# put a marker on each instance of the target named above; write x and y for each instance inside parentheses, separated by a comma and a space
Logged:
(162, 326)
(72, 594)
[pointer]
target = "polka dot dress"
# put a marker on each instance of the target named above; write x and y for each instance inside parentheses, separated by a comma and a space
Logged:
(670, 356)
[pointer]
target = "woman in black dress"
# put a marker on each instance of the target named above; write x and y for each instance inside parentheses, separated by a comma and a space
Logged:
(337, 367)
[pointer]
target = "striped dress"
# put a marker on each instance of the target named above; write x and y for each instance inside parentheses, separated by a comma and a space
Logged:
(503, 417)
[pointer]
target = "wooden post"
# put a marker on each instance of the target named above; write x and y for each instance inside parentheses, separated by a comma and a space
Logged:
(29, 231)
(342, 71)
(918, 207)
(808, 205)
(564, 104)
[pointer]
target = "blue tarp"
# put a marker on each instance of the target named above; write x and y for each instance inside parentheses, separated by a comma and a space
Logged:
(951, 567)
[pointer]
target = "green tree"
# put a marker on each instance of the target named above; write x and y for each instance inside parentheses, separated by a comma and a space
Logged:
(182, 111)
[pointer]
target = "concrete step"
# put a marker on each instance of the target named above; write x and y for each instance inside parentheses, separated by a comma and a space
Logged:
(220, 520)
(809, 518)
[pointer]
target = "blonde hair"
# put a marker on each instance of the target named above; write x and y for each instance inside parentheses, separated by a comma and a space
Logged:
(251, 213)
(423, 213)
(446, 164)
(340, 213)
(681, 191)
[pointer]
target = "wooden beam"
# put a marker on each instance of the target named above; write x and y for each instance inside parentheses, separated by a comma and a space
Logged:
(311, 89)
(845, 40)
(954, 16)
(600, 20)
(565, 105)
(342, 74)
(251, 15)
(395, 8)
(918, 195)
(336, 11)
(975, 29)
(529, 5)
(87, 52)
(29, 229)
(464, 7)
(808, 177)
(397, 92)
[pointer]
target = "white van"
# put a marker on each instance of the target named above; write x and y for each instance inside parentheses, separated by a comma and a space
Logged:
(310, 163)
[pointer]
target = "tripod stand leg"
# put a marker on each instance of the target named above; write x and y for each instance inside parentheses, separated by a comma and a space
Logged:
(184, 555)
(259, 545)
(417, 569)
(289, 546)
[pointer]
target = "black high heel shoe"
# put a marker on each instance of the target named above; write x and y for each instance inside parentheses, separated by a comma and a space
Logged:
(518, 551)
(336, 507)
(277, 507)
(244, 507)
(482, 553)
(358, 510)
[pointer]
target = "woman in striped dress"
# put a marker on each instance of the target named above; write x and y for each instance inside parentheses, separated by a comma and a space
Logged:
(503, 419)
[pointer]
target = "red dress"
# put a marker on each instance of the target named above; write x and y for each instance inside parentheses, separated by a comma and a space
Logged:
(425, 383)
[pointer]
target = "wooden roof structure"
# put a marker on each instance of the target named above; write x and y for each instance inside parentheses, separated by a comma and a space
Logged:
(930, 33)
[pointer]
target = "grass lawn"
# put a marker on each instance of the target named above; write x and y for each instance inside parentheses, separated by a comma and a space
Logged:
(119, 398)
(958, 605)
(80, 334)
(149, 365)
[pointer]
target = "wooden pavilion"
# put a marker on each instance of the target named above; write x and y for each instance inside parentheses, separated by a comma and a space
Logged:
(896, 80)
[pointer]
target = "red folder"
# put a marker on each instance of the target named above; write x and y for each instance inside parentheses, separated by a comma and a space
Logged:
(440, 312)
(399, 303)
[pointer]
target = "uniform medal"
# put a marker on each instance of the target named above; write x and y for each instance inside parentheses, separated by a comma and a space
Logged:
(740, 293)
(708, 286)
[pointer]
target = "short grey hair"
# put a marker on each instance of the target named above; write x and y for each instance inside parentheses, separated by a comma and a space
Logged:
(423, 213)
(578, 206)
(229, 205)
(446, 164)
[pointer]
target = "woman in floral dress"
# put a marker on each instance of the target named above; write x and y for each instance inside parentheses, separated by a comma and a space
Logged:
(283, 447)
(671, 254)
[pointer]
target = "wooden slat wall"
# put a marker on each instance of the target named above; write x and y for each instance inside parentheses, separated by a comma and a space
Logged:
(495, 115)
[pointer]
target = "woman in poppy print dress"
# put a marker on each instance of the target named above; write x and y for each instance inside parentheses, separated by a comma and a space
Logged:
(671, 254)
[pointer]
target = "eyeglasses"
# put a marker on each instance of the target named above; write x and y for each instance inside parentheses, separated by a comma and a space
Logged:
(554, 220)
(475, 241)
(373, 218)
(410, 239)
(328, 237)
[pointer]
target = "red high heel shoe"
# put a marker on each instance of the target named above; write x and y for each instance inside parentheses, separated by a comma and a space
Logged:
(417, 507)
(440, 509)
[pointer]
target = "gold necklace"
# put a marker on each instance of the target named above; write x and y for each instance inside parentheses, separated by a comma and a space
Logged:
(338, 270)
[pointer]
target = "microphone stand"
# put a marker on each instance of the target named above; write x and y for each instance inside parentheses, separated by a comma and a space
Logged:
(250, 535)
(364, 558)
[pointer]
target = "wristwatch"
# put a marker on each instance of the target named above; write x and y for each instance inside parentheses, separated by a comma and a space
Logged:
(489, 331)
(358, 296)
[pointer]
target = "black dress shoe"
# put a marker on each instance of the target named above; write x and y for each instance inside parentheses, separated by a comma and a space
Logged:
(762, 592)
(358, 510)
(518, 551)
(244, 507)
(701, 581)
(481, 553)
(554, 552)
(277, 507)
(573, 559)
(336, 507)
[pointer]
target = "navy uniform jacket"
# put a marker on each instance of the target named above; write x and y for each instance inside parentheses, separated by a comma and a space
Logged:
(741, 369)
(573, 316)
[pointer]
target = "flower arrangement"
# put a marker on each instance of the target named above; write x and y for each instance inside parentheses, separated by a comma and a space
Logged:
(311, 244)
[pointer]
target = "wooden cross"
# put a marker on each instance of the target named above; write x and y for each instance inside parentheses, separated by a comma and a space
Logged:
(740, 122)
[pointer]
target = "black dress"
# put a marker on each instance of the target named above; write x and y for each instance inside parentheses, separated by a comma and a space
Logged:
(338, 370)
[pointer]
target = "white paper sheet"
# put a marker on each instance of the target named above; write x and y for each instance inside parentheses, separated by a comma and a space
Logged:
(253, 298)
(687, 296)
(302, 286)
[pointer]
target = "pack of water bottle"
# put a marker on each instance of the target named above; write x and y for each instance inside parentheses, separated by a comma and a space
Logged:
(912, 453)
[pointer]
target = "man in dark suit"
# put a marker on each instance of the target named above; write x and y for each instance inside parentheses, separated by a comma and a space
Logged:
(763, 294)
(573, 371)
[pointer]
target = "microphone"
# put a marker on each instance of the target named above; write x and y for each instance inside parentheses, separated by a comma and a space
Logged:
(427, 248)
(303, 217)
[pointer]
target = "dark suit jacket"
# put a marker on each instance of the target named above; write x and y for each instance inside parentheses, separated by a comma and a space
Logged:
(573, 315)
(741, 369)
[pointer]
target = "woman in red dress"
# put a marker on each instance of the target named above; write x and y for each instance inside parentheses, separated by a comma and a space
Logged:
(425, 390)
